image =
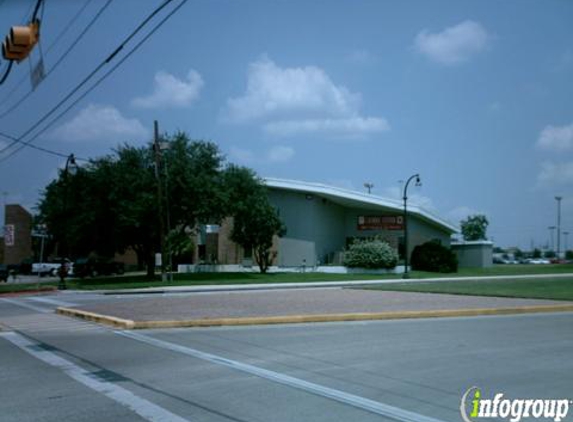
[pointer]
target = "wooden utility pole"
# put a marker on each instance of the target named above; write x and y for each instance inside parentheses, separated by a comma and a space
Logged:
(157, 147)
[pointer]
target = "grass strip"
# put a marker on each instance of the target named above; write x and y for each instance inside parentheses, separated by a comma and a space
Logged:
(544, 288)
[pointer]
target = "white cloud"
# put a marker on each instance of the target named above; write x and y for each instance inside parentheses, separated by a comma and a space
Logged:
(100, 123)
(556, 138)
(555, 174)
(277, 154)
(453, 45)
(172, 92)
(353, 127)
(290, 101)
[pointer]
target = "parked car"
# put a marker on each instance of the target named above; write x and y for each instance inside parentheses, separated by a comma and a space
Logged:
(51, 267)
(3, 273)
(92, 267)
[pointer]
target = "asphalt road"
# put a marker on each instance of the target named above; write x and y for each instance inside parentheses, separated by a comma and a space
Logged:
(57, 368)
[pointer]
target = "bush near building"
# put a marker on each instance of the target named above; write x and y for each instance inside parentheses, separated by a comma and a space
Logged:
(432, 256)
(371, 254)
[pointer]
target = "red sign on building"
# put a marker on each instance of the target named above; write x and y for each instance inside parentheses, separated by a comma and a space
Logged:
(380, 222)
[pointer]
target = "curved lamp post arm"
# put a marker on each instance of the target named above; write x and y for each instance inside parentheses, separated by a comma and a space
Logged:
(405, 198)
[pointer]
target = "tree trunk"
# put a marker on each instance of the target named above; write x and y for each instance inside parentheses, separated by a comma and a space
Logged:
(262, 258)
(150, 263)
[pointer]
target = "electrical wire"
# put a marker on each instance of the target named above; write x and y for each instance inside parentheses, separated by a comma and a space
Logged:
(97, 83)
(87, 78)
(46, 150)
(17, 103)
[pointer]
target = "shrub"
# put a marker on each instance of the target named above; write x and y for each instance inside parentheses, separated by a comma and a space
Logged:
(373, 253)
(431, 256)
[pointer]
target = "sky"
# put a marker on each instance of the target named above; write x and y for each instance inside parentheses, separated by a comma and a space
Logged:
(475, 96)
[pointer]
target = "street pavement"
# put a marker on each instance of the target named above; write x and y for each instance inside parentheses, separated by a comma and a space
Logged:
(57, 368)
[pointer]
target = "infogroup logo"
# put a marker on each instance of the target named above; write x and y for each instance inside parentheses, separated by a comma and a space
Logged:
(512, 409)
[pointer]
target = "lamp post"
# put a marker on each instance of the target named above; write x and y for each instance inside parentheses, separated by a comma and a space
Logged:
(405, 197)
(565, 234)
(369, 186)
(70, 169)
(551, 230)
(558, 198)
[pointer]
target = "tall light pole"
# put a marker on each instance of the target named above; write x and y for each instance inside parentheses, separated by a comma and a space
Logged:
(369, 186)
(551, 230)
(565, 234)
(157, 149)
(558, 198)
(70, 169)
(405, 197)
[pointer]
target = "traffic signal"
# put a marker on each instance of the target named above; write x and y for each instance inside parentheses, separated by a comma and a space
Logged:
(20, 41)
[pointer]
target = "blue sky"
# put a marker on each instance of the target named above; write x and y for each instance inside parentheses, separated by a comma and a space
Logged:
(476, 96)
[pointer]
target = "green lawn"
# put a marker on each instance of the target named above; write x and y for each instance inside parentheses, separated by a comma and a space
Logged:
(201, 279)
(13, 287)
(544, 288)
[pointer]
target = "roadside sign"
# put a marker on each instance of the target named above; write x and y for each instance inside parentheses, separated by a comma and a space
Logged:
(9, 235)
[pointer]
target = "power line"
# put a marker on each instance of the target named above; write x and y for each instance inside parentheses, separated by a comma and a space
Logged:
(46, 150)
(14, 106)
(58, 37)
(97, 83)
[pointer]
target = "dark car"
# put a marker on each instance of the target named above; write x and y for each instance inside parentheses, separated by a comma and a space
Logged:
(3, 272)
(92, 267)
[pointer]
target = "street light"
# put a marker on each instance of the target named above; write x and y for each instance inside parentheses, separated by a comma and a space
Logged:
(558, 198)
(369, 186)
(405, 197)
(70, 169)
(551, 230)
(565, 234)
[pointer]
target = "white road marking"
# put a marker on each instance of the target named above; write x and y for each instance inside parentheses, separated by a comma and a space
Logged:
(52, 301)
(142, 407)
(27, 305)
(330, 393)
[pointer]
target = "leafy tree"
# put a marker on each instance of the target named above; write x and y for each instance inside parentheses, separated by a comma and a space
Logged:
(255, 220)
(569, 254)
(550, 254)
(111, 204)
(536, 253)
(475, 227)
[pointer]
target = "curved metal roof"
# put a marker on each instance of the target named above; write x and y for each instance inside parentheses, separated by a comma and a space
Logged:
(356, 199)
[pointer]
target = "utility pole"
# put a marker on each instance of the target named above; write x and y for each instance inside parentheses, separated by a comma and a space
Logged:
(551, 230)
(558, 198)
(369, 186)
(157, 148)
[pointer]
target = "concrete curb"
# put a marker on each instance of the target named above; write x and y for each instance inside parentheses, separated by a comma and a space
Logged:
(294, 319)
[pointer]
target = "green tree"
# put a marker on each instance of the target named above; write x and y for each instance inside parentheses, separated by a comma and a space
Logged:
(536, 253)
(111, 204)
(474, 227)
(255, 220)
